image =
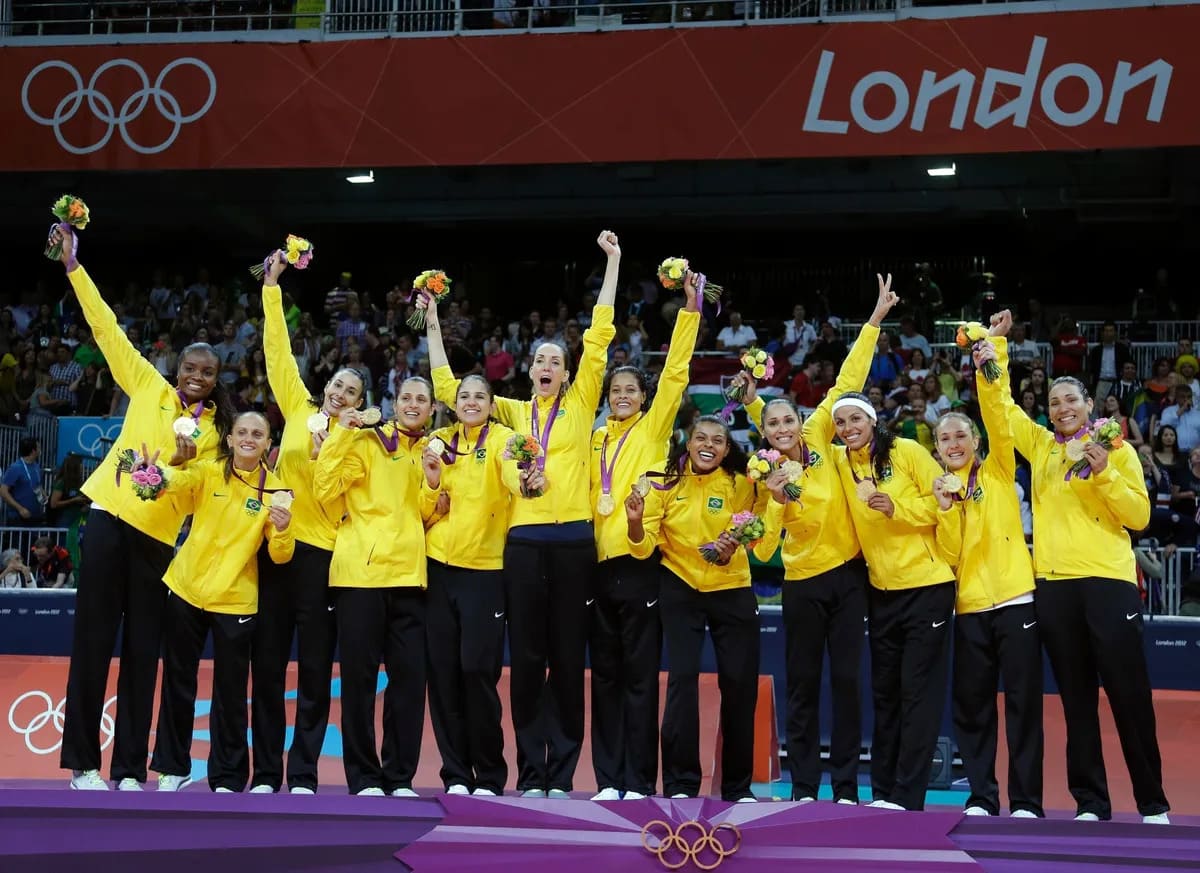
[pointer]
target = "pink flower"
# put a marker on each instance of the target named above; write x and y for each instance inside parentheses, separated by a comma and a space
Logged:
(771, 455)
(140, 477)
(153, 477)
(740, 518)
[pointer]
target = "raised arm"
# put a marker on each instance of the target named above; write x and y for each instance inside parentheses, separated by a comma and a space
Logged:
(1000, 440)
(589, 372)
(674, 378)
(818, 430)
(283, 373)
(608, 288)
(1025, 433)
(129, 368)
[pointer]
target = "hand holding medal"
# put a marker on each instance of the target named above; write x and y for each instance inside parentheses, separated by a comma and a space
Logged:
(280, 512)
(944, 489)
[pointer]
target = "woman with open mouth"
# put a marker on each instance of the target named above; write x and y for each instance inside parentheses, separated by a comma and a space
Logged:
(995, 625)
(1089, 610)
(236, 505)
(378, 578)
(705, 487)
(889, 488)
(625, 640)
(293, 598)
(551, 550)
(825, 579)
(130, 541)
(464, 464)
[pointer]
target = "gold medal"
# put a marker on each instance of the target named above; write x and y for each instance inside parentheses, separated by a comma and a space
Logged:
(642, 486)
(317, 422)
(952, 483)
(606, 504)
(865, 489)
(371, 416)
(282, 499)
(184, 426)
(437, 446)
(1075, 450)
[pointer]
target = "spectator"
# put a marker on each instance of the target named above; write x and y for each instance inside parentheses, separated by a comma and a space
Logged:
(164, 300)
(911, 339)
(21, 488)
(70, 504)
(65, 376)
(830, 346)
(53, 567)
(799, 336)
(918, 366)
(1037, 384)
(1107, 360)
(928, 304)
(1023, 353)
(1185, 486)
(41, 403)
(338, 300)
(1070, 349)
(1128, 386)
(805, 391)
(499, 366)
(912, 422)
(202, 289)
(231, 353)
(1186, 366)
(1169, 527)
(937, 403)
(352, 327)
(1031, 407)
(736, 335)
(16, 574)
(1184, 418)
(1166, 451)
(1115, 409)
(633, 337)
(1159, 384)
(887, 365)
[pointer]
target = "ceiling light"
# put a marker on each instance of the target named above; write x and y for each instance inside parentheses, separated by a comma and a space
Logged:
(362, 178)
(943, 171)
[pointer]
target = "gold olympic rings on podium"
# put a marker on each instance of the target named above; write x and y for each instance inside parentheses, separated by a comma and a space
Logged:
(690, 841)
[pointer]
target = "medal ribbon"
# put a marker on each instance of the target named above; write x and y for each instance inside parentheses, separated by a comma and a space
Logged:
(187, 407)
(262, 488)
(958, 498)
(858, 479)
(391, 443)
(543, 437)
(606, 469)
(452, 454)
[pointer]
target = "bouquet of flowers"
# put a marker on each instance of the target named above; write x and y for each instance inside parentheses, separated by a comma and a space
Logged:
(672, 273)
(148, 479)
(432, 285)
(70, 209)
(524, 450)
(758, 364)
(972, 335)
(299, 253)
(761, 464)
(747, 529)
(1106, 432)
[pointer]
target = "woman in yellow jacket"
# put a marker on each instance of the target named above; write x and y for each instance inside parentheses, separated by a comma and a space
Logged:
(705, 487)
(625, 642)
(995, 625)
(294, 597)
(378, 581)
(235, 504)
(550, 553)
(889, 489)
(1088, 608)
(464, 620)
(825, 579)
(130, 541)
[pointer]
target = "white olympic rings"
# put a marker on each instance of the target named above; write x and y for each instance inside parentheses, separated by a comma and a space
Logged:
(102, 107)
(53, 715)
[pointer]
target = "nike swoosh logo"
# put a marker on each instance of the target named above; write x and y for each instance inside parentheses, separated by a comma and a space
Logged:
(938, 624)
(165, 408)
(1029, 625)
(756, 610)
(590, 602)
(330, 608)
(650, 603)
(245, 618)
(677, 499)
(1132, 616)
(215, 494)
(498, 615)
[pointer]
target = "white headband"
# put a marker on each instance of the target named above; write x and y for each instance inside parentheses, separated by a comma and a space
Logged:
(856, 402)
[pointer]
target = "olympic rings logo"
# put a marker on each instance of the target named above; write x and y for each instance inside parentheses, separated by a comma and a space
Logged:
(102, 107)
(93, 437)
(52, 715)
(706, 851)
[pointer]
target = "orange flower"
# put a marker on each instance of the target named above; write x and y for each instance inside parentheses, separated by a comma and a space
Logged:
(1118, 441)
(435, 284)
(75, 210)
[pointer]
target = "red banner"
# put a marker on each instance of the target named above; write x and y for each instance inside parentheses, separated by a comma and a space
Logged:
(1123, 78)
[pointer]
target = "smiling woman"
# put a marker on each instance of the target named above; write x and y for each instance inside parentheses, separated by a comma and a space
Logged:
(130, 541)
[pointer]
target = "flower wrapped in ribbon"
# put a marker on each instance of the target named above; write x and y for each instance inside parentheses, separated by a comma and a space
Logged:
(1104, 431)
(972, 334)
(746, 527)
(71, 210)
(673, 273)
(525, 450)
(297, 251)
(147, 477)
(431, 287)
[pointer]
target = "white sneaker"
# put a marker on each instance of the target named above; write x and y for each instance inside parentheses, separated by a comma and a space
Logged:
(370, 792)
(633, 795)
(404, 792)
(129, 784)
(846, 801)
(534, 793)
(483, 792)
(1087, 816)
(681, 797)
(558, 794)
(885, 804)
(1160, 818)
(976, 810)
(262, 789)
(88, 780)
(221, 789)
(300, 789)
(751, 799)
(607, 794)
(458, 788)
(167, 782)
(805, 800)
(1022, 813)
